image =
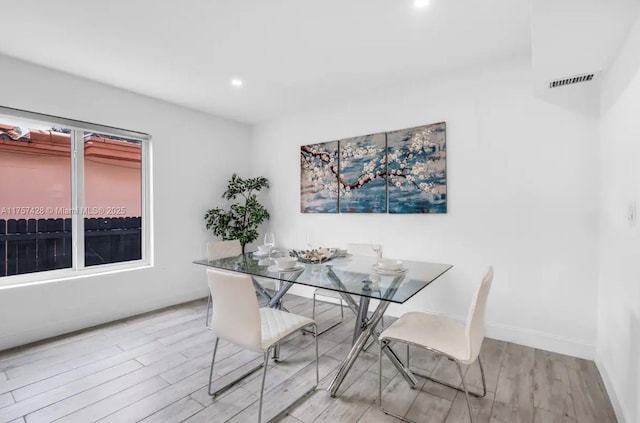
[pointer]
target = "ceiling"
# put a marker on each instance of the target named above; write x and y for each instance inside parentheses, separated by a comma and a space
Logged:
(571, 37)
(290, 54)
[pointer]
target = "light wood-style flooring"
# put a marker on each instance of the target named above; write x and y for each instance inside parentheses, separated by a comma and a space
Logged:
(155, 368)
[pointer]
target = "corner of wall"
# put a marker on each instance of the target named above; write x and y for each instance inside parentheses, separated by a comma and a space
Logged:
(611, 391)
(617, 335)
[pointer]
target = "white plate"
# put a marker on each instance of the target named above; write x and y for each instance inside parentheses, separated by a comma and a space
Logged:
(259, 254)
(387, 272)
(276, 269)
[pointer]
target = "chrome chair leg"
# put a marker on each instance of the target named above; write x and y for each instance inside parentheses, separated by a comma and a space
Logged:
(466, 391)
(213, 360)
(484, 383)
(310, 390)
(448, 385)
(315, 335)
(264, 377)
(380, 374)
(313, 316)
(207, 322)
(264, 373)
(383, 345)
(230, 384)
(407, 355)
(313, 309)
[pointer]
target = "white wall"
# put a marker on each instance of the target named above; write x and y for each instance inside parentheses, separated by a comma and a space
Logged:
(194, 154)
(523, 196)
(618, 351)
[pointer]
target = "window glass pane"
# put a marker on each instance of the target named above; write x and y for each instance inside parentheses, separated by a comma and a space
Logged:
(35, 197)
(112, 199)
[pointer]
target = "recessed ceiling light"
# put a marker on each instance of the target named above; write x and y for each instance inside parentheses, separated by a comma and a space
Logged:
(236, 82)
(421, 3)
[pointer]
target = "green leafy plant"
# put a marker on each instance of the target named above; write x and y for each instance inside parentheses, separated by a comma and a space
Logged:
(241, 221)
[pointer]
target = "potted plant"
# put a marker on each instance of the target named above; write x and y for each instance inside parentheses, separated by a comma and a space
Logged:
(242, 219)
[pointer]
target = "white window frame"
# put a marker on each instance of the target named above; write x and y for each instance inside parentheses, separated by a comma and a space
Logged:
(78, 269)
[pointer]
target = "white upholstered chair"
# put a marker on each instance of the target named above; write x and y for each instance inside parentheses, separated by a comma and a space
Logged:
(237, 318)
(366, 250)
(458, 341)
(222, 249)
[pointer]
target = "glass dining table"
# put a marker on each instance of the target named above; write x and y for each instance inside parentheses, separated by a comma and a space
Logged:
(356, 279)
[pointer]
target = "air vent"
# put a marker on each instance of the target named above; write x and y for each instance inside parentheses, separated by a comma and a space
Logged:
(571, 80)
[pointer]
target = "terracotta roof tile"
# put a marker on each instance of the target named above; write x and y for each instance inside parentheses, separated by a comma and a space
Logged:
(4, 126)
(12, 133)
(57, 143)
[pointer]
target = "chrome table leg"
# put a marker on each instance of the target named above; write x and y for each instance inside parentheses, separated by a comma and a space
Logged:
(260, 289)
(366, 328)
(361, 319)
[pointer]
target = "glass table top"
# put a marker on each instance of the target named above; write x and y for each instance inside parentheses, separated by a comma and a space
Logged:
(352, 274)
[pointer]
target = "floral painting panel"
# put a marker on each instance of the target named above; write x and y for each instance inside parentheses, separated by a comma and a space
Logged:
(319, 178)
(363, 166)
(417, 172)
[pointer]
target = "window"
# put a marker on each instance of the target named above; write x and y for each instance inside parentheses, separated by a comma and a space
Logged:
(73, 196)
(112, 198)
(35, 170)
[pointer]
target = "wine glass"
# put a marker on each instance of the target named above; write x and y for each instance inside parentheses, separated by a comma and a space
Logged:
(270, 240)
(311, 241)
(377, 248)
(376, 244)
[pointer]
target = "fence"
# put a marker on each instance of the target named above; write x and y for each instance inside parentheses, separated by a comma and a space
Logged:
(35, 245)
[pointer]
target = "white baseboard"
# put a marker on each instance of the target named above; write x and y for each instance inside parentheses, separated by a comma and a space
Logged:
(47, 330)
(523, 336)
(532, 338)
(621, 413)
(542, 340)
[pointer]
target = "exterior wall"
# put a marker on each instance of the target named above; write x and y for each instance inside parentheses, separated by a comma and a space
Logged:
(40, 175)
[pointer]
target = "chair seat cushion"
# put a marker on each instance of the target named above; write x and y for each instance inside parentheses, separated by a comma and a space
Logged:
(277, 324)
(431, 331)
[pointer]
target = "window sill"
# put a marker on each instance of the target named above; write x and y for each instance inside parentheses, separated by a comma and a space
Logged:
(53, 276)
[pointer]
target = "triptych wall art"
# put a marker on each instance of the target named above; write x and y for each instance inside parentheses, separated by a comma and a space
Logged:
(396, 172)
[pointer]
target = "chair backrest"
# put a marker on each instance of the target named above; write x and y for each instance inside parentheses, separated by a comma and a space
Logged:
(235, 313)
(222, 249)
(362, 250)
(475, 328)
